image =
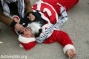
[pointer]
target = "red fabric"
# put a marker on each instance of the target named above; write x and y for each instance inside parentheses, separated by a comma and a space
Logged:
(57, 36)
(52, 18)
(66, 3)
(60, 37)
(29, 45)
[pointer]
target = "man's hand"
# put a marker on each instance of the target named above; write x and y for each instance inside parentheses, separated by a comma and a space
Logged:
(31, 17)
(16, 18)
(19, 27)
(71, 53)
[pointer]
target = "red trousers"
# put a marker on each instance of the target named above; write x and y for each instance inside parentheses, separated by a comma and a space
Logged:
(66, 3)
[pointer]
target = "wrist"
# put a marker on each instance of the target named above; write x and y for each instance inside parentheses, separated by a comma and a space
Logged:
(67, 47)
(13, 24)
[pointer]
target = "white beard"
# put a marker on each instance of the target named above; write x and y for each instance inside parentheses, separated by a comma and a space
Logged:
(35, 26)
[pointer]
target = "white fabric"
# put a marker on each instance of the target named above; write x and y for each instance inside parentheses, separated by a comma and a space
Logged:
(20, 45)
(9, 1)
(6, 9)
(26, 40)
(21, 8)
(39, 6)
(48, 11)
(35, 26)
(67, 47)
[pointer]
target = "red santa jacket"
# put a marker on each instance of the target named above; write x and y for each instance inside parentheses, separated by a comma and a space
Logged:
(48, 12)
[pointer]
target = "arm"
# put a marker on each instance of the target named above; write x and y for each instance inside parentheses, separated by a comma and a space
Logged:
(67, 43)
(28, 6)
(29, 9)
(10, 22)
(6, 20)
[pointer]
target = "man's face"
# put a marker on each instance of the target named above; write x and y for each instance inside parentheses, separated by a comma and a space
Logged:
(27, 33)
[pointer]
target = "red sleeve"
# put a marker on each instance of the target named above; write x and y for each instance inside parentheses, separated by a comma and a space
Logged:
(60, 37)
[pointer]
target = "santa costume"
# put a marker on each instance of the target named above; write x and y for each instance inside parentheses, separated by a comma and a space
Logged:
(54, 13)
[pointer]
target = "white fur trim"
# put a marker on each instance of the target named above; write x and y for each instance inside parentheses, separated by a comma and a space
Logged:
(25, 40)
(68, 46)
(53, 9)
(20, 45)
(44, 17)
(39, 4)
(35, 26)
(48, 11)
(38, 8)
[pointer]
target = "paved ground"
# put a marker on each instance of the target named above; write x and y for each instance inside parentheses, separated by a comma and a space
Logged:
(77, 26)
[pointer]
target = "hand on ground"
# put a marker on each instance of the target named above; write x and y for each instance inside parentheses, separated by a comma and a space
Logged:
(71, 53)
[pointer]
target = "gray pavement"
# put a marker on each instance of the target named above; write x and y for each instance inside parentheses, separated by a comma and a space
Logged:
(77, 27)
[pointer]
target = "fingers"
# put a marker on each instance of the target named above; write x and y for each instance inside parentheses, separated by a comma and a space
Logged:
(31, 17)
(19, 27)
(16, 18)
(71, 53)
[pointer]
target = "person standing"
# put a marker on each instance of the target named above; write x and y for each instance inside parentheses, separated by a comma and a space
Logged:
(11, 7)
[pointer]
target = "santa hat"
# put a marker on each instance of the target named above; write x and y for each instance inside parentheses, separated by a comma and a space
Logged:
(27, 43)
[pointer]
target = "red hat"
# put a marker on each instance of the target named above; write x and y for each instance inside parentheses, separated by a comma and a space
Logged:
(27, 43)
